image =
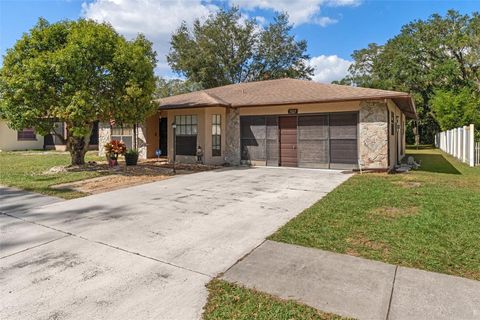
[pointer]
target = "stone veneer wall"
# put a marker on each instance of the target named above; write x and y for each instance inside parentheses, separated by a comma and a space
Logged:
(104, 136)
(142, 140)
(232, 141)
(373, 129)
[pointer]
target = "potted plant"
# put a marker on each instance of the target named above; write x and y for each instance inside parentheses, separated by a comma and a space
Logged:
(131, 157)
(112, 150)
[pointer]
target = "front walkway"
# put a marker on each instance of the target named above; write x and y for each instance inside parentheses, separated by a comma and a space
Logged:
(355, 287)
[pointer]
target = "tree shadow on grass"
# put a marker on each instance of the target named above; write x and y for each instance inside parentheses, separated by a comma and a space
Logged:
(434, 163)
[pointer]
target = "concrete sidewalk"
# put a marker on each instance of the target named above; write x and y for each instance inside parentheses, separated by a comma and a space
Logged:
(355, 287)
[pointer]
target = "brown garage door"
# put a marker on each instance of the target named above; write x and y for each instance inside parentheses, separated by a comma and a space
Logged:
(343, 140)
(288, 141)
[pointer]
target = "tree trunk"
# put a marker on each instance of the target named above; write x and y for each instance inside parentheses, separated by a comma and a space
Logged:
(78, 147)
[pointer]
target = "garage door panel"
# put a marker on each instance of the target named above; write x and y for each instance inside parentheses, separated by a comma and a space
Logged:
(313, 154)
(343, 125)
(253, 149)
(272, 141)
(313, 146)
(343, 139)
(253, 127)
(343, 151)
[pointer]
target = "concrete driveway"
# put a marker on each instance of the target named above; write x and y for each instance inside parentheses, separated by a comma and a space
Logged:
(147, 251)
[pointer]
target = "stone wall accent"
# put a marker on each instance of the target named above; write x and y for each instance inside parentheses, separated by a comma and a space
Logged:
(232, 141)
(103, 137)
(373, 130)
(142, 140)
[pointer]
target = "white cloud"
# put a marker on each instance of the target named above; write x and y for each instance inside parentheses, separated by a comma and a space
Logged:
(157, 19)
(324, 21)
(300, 11)
(329, 68)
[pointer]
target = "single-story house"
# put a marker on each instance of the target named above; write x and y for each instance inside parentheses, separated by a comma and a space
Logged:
(25, 139)
(285, 122)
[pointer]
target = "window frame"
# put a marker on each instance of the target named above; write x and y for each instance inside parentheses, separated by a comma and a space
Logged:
(27, 134)
(216, 135)
(392, 123)
(123, 133)
(186, 133)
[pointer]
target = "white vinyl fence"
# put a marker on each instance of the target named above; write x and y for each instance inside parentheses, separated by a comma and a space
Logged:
(460, 143)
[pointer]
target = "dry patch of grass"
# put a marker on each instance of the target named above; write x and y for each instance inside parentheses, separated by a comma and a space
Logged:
(392, 212)
(360, 243)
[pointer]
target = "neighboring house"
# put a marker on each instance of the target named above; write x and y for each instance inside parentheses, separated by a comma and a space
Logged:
(25, 139)
(283, 122)
(53, 142)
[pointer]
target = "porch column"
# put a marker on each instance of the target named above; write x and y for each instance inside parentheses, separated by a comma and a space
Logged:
(232, 137)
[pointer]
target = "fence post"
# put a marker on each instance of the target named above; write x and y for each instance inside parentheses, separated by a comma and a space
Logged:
(455, 142)
(462, 144)
(472, 146)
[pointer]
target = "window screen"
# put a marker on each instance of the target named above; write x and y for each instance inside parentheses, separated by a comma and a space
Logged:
(186, 135)
(123, 133)
(26, 134)
(216, 135)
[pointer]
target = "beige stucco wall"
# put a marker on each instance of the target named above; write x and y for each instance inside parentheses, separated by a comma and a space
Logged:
(9, 141)
(204, 133)
(395, 139)
(302, 108)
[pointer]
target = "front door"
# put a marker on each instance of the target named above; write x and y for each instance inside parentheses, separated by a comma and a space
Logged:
(288, 141)
(163, 129)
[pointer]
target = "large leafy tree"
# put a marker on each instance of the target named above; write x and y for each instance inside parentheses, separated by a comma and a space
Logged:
(77, 72)
(172, 87)
(437, 60)
(226, 49)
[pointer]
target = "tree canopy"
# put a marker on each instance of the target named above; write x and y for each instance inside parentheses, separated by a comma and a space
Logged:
(172, 87)
(437, 60)
(226, 49)
(76, 72)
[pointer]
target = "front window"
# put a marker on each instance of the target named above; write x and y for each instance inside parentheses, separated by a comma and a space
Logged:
(216, 135)
(26, 134)
(392, 123)
(123, 133)
(186, 135)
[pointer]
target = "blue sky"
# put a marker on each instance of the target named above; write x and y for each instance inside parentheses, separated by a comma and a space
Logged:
(332, 28)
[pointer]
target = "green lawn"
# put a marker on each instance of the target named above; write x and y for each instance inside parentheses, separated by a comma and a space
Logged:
(25, 170)
(230, 301)
(427, 219)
